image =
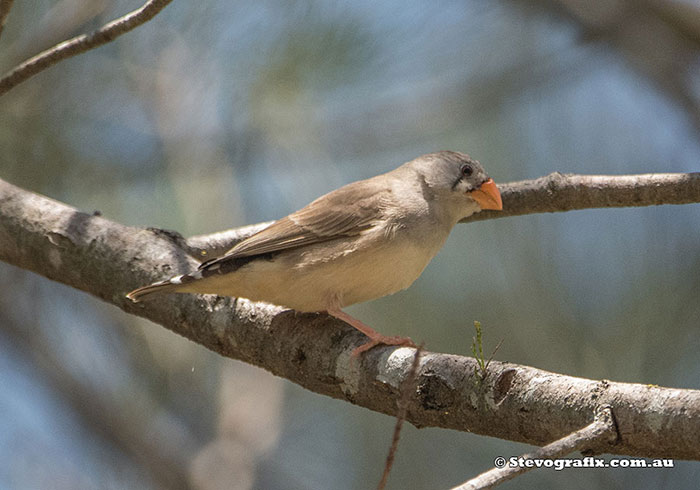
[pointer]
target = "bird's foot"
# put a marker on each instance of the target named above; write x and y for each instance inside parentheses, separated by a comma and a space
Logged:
(382, 340)
(375, 338)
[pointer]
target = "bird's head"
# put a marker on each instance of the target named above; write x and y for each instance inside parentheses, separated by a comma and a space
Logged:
(458, 179)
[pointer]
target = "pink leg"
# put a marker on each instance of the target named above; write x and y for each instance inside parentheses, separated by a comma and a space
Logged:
(375, 337)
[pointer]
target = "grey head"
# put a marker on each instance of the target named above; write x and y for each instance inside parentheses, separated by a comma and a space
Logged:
(456, 178)
(450, 170)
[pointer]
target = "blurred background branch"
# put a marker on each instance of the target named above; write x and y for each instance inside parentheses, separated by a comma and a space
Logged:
(162, 449)
(658, 38)
(77, 45)
(5, 7)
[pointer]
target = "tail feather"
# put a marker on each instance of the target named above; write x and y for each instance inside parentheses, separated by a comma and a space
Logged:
(172, 285)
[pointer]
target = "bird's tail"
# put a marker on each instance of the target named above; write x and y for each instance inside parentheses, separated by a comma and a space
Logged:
(172, 285)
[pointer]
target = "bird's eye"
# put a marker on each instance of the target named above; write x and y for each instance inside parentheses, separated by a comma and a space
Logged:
(467, 170)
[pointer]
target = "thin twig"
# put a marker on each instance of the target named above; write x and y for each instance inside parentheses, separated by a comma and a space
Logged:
(80, 44)
(402, 406)
(602, 430)
(498, 346)
(5, 7)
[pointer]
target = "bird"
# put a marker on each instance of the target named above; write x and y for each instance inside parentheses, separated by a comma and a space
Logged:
(363, 241)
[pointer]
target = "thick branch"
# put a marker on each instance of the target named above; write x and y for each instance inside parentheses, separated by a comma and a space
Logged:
(513, 402)
(72, 47)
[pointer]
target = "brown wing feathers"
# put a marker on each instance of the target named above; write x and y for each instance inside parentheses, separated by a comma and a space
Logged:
(346, 212)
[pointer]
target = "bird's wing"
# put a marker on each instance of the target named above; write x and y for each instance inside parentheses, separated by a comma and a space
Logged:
(345, 212)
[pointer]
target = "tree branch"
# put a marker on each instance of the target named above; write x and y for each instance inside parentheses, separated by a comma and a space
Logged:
(553, 193)
(598, 433)
(79, 44)
(513, 402)
(559, 192)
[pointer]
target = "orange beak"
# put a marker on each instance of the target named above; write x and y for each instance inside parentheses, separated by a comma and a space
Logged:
(487, 196)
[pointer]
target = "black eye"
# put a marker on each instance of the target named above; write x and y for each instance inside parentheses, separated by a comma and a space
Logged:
(467, 170)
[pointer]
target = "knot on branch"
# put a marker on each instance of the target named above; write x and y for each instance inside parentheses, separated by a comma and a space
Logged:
(556, 180)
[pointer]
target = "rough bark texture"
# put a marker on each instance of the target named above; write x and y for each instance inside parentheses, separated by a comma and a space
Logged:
(513, 402)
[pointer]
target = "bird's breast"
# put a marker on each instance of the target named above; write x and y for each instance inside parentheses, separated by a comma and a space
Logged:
(364, 269)
(337, 273)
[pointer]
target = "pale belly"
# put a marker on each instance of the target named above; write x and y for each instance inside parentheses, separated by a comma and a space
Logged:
(314, 282)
